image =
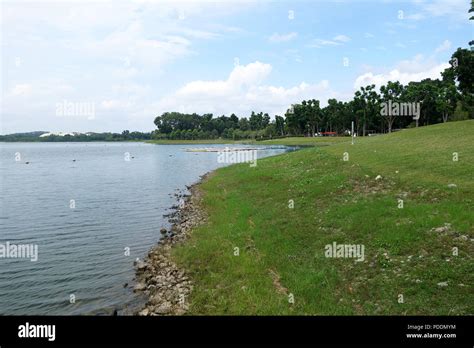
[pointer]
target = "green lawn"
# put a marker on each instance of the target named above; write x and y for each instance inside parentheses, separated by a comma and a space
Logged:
(281, 250)
(179, 142)
(305, 141)
(291, 141)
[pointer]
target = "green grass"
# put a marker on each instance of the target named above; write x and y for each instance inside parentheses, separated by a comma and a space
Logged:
(180, 142)
(305, 141)
(291, 141)
(282, 249)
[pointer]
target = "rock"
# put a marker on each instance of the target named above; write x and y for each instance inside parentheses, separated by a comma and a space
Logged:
(164, 308)
(157, 299)
(452, 185)
(378, 177)
(443, 284)
(442, 229)
(141, 265)
(139, 287)
(125, 285)
(144, 312)
(164, 279)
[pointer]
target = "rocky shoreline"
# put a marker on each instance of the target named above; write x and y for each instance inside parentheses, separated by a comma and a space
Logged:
(166, 286)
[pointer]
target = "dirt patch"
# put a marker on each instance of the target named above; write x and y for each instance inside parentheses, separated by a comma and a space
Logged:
(277, 282)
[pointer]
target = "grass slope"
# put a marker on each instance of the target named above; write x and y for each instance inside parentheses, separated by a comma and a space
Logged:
(281, 250)
(292, 141)
(306, 141)
(181, 142)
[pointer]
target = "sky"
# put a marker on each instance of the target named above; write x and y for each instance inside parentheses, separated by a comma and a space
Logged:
(115, 65)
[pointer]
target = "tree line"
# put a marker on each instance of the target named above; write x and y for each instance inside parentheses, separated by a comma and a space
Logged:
(35, 137)
(439, 100)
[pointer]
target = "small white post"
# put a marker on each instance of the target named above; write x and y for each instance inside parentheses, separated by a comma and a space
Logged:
(352, 132)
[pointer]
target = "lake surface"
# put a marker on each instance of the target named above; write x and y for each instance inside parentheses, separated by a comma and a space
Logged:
(84, 215)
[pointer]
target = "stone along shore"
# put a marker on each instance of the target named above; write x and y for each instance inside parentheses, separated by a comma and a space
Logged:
(167, 286)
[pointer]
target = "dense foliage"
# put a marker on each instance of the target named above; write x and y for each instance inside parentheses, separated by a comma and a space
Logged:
(440, 100)
(35, 137)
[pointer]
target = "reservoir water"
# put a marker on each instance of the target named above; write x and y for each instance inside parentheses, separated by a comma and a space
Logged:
(91, 209)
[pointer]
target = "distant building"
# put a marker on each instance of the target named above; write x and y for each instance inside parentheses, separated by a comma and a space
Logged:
(58, 134)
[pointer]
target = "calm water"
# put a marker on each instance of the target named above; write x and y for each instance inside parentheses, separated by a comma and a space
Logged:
(81, 251)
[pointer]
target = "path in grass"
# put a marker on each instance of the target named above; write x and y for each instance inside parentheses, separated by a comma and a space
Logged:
(408, 251)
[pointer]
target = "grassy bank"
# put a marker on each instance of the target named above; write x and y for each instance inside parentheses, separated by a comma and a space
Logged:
(181, 142)
(291, 141)
(306, 141)
(408, 251)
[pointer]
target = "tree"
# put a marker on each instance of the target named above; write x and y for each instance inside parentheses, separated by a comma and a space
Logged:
(392, 92)
(425, 93)
(126, 134)
(313, 114)
(280, 125)
(265, 121)
(462, 62)
(446, 100)
(256, 121)
(366, 101)
(235, 120)
(471, 10)
(296, 118)
(332, 115)
(244, 124)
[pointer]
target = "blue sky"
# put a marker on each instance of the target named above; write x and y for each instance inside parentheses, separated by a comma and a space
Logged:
(133, 60)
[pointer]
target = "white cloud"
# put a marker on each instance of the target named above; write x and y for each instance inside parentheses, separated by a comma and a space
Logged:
(143, 32)
(446, 45)
(336, 41)
(115, 104)
(369, 35)
(103, 52)
(342, 38)
(457, 9)
(242, 92)
(318, 43)
(21, 89)
(133, 46)
(415, 69)
(282, 37)
(453, 9)
(416, 16)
